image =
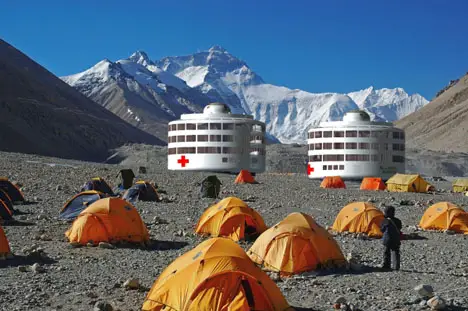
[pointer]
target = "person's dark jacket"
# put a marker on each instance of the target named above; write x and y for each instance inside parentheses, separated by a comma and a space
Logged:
(391, 228)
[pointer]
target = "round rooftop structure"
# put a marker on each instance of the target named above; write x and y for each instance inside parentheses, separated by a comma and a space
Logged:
(216, 108)
(356, 116)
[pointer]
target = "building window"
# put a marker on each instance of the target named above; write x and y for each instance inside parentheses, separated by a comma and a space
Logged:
(341, 167)
(318, 146)
(169, 128)
(311, 146)
(333, 157)
(338, 146)
(357, 157)
(385, 146)
(375, 134)
(395, 147)
(174, 127)
(351, 133)
(172, 151)
(231, 150)
(324, 167)
(330, 167)
(364, 133)
(338, 134)
(215, 126)
(396, 135)
(335, 167)
(180, 139)
(202, 138)
(181, 127)
(185, 150)
(398, 159)
(202, 126)
(402, 135)
(228, 138)
(375, 146)
(311, 134)
(327, 134)
(315, 158)
(224, 160)
(191, 138)
(228, 126)
(215, 137)
(209, 149)
(375, 158)
(363, 145)
(327, 146)
(191, 126)
(318, 134)
(402, 147)
(351, 145)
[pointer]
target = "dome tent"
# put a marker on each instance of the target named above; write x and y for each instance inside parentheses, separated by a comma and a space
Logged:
(13, 192)
(230, 217)
(445, 216)
(108, 220)
(4, 245)
(244, 177)
(372, 183)
(295, 245)
(215, 275)
(5, 212)
(78, 203)
(359, 217)
(332, 182)
(97, 184)
(142, 191)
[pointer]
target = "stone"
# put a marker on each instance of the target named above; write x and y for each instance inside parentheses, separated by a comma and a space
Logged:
(37, 268)
(45, 237)
(106, 245)
(340, 300)
(103, 306)
(275, 276)
(424, 290)
(436, 303)
(449, 232)
(142, 170)
(132, 284)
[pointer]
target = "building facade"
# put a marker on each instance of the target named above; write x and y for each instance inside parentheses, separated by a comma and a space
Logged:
(216, 140)
(355, 148)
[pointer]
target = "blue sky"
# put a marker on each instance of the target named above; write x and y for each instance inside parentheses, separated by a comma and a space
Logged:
(317, 46)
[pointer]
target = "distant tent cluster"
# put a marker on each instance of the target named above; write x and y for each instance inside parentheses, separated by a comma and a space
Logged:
(397, 183)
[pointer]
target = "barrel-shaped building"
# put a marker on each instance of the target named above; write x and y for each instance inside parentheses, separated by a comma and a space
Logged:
(216, 140)
(355, 147)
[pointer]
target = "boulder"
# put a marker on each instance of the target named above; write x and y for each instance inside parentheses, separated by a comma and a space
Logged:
(424, 290)
(103, 306)
(106, 245)
(436, 303)
(132, 284)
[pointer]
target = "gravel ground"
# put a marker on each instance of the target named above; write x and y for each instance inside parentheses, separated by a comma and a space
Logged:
(77, 278)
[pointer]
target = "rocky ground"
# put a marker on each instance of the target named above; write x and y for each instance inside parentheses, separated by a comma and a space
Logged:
(77, 278)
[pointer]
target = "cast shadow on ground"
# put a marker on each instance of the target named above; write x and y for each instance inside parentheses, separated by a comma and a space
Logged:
(153, 245)
(303, 309)
(17, 223)
(413, 236)
(19, 260)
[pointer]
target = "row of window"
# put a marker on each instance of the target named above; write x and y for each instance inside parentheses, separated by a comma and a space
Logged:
(382, 134)
(217, 150)
(212, 126)
(352, 158)
(351, 146)
(333, 167)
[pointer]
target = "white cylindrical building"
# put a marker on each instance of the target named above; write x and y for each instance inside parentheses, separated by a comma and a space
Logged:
(216, 140)
(355, 148)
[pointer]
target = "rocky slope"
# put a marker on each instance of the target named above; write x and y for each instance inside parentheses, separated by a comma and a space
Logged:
(137, 91)
(41, 114)
(79, 278)
(442, 125)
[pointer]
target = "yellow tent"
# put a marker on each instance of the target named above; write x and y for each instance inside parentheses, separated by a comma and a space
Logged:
(295, 245)
(460, 185)
(215, 275)
(445, 216)
(230, 217)
(408, 183)
(359, 217)
(108, 220)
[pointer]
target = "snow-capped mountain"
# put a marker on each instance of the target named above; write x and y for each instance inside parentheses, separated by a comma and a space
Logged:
(139, 92)
(149, 93)
(288, 113)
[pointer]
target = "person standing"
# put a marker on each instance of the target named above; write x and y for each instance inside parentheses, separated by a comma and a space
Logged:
(391, 229)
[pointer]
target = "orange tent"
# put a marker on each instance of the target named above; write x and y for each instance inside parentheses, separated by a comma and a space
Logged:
(245, 177)
(445, 216)
(295, 245)
(373, 183)
(215, 275)
(359, 217)
(108, 220)
(332, 182)
(4, 245)
(230, 217)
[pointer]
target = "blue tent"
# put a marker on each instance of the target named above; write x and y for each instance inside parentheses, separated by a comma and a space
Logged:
(79, 202)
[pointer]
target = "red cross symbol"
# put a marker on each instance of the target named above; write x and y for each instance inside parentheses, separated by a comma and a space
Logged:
(309, 169)
(182, 161)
